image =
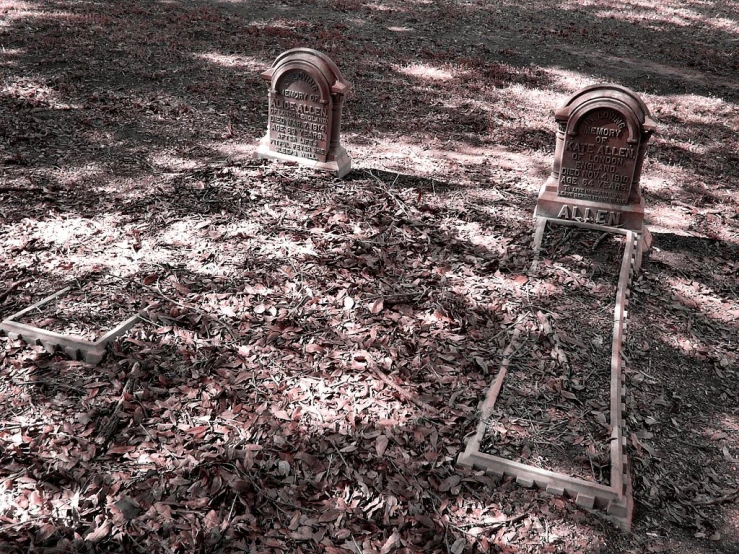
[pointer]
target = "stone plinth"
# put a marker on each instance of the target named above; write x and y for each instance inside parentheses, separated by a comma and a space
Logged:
(306, 95)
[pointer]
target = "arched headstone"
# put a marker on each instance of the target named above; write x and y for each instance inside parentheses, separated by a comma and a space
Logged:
(602, 135)
(306, 95)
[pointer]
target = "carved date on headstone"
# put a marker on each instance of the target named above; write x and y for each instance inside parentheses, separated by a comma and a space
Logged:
(599, 160)
(298, 122)
(306, 95)
(602, 136)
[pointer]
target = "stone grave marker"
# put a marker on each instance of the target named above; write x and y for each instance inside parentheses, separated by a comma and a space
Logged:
(602, 135)
(306, 95)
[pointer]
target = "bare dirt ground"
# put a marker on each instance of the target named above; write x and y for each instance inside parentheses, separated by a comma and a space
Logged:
(315, 350)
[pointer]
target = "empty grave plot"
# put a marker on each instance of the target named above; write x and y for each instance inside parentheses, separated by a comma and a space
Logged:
(87, 312)
(553, 409)
(78, 320)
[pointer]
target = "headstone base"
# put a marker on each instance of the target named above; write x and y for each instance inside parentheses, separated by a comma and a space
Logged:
(339, 163)
(552, 206)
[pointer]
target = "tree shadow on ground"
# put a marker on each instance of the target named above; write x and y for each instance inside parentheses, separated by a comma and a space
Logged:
(293, 263)
(196, 82)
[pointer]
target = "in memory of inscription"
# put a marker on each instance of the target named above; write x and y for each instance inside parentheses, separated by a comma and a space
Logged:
(602, 136)
(306, 95)
(598, 162)
(298, 121)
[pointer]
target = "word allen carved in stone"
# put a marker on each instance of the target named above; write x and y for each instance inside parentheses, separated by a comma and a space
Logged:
(602, 136)
(306, 96)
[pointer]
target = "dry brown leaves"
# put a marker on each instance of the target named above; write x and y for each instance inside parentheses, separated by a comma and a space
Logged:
(314, 351)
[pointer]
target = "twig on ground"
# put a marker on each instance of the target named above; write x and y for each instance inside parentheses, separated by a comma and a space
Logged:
(348, 467)
(50, 384)
(21, 189)
(731, 497)
(599, 240)
(12, 287)
(399, 201)
(404, 393)
(225, 325)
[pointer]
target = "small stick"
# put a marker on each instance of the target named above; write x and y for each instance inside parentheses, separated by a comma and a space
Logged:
(50, 384)
(404, 393)
(726, 498)
(223, 324)
(12, 287)
(348, 467)
(381, 184)
(21, 189)
(600, 239)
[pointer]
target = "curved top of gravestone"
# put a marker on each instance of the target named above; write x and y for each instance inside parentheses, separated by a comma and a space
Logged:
(604, 95)
(309, 60)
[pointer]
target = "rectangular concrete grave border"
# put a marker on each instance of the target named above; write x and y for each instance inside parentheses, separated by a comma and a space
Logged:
(643, 239)
(76, 348)
(615, 500)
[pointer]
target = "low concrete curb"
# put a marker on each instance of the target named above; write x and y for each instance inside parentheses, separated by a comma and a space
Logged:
(76, 348)
(615, 500)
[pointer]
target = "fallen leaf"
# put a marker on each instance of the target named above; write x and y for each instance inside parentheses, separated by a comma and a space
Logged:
(98, 534)
(381, 445)
(391, 543)
(449, 482)
(128, 507)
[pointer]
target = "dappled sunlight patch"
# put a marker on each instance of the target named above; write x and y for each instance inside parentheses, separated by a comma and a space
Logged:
(35, 94)
(663, 217)
(692, 108)
(172, 162)
(9, 5)
(235, 150)
(73, 245)
(67, 232)
(283, 248)
(405, 158)
(566, 80)
(701, 297)
(184, 233)
(8, 55)
(202, 238)
(478, 237)
(534, 107)
(730, 423)
(18, 10)
(232, 61)
(279, 27)
(387, 7)
(658, 15)
(467, 162)
(426, 72)
(681, 342)
(653, 16)
(653, 182)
